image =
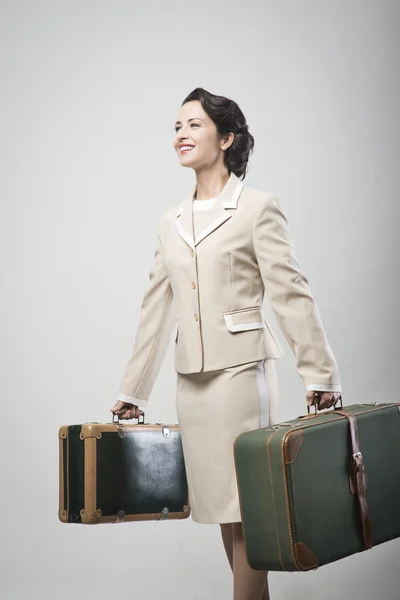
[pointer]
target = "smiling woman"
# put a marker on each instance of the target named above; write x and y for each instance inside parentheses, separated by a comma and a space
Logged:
(218, 252)
(207, 125)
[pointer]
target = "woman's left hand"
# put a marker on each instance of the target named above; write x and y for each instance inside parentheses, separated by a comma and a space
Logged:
(322, 399)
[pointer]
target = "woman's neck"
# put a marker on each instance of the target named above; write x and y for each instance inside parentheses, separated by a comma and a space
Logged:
(209, 185)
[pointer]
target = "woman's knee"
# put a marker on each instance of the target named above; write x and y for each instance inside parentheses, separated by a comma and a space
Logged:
(237, 529)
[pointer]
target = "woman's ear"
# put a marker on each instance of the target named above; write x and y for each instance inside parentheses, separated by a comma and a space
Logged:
(227, 141)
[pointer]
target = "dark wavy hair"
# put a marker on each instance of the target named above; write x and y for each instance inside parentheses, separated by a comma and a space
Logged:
(228, 117)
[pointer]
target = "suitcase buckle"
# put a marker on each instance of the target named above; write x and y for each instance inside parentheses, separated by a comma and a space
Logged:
(358, 461)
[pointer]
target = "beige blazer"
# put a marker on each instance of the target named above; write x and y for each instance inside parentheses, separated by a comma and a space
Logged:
(207, 290)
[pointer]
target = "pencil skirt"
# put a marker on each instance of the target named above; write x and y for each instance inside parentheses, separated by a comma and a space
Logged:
(213, 408)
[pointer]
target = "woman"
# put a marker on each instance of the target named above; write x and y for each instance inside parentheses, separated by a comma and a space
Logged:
(217, 252)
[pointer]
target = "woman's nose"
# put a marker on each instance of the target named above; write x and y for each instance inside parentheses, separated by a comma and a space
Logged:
(181, 138)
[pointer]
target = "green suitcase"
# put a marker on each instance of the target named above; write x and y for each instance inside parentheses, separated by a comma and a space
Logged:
(321, 487)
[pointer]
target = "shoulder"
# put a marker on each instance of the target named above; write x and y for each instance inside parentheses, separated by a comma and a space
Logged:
(169, 213)
(267, 210)
(258, 199)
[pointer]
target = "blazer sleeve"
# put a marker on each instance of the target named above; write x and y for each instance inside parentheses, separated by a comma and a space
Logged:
(153, 332)
(291, 299)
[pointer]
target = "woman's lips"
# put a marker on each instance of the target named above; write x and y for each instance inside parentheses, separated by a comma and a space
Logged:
(184, 151)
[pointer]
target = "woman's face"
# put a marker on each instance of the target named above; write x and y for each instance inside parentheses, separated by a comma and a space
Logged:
(194, 128)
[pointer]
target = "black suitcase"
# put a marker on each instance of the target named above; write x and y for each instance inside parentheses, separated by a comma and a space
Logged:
(110, 472)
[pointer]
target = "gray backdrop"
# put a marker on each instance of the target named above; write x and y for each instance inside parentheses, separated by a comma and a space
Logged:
(90, 92)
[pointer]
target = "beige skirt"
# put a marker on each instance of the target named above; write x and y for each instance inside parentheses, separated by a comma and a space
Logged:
(213, 408)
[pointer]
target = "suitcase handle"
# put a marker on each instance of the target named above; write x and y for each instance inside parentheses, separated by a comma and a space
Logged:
(140, 422)
(340, 399)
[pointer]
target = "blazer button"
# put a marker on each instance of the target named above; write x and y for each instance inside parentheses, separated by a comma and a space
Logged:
(193, 284)
(196, 316)
(192, 252)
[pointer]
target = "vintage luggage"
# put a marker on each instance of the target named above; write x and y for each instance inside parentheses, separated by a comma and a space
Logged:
(110, 472)
(321, 487)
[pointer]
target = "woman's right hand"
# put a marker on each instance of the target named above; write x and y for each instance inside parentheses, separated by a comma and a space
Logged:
(126, 410)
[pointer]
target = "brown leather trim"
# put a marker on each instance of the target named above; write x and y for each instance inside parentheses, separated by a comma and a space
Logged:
(92, 517)
(362, 412)
(273, 498)
(285, 486)
(61, 474)
(62, 432)
(90, 479)
(352, 484)
(67, 475)
(96, 518)
(293, 442)
(146, 427)
(304, 557)
(357, 464)
(62, 513)
(94, 430)
(91, 430)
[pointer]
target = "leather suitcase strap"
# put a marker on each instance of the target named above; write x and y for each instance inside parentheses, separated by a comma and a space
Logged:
(359, 480)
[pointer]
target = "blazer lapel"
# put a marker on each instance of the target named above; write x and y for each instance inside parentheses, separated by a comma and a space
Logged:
(208, 220)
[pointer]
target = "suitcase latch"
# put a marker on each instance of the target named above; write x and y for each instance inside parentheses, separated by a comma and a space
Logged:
(164, 513)
(120, 516)
(276, 427)
(165, 432)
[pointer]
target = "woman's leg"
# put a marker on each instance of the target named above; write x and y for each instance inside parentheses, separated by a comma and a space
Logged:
(249, 584)
(227, 538)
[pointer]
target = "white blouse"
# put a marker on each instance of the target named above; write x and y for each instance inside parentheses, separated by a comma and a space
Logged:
(204, 204)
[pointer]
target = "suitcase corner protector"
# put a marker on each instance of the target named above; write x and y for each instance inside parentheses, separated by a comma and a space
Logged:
(90, 430)
(62, 432)
(293, 442)
(305, 558)
(63, 516)
(90, 517)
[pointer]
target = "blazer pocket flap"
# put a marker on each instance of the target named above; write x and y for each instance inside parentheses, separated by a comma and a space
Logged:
(244, 320)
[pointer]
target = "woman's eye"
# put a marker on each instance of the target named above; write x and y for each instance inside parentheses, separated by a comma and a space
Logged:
(178, 127)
